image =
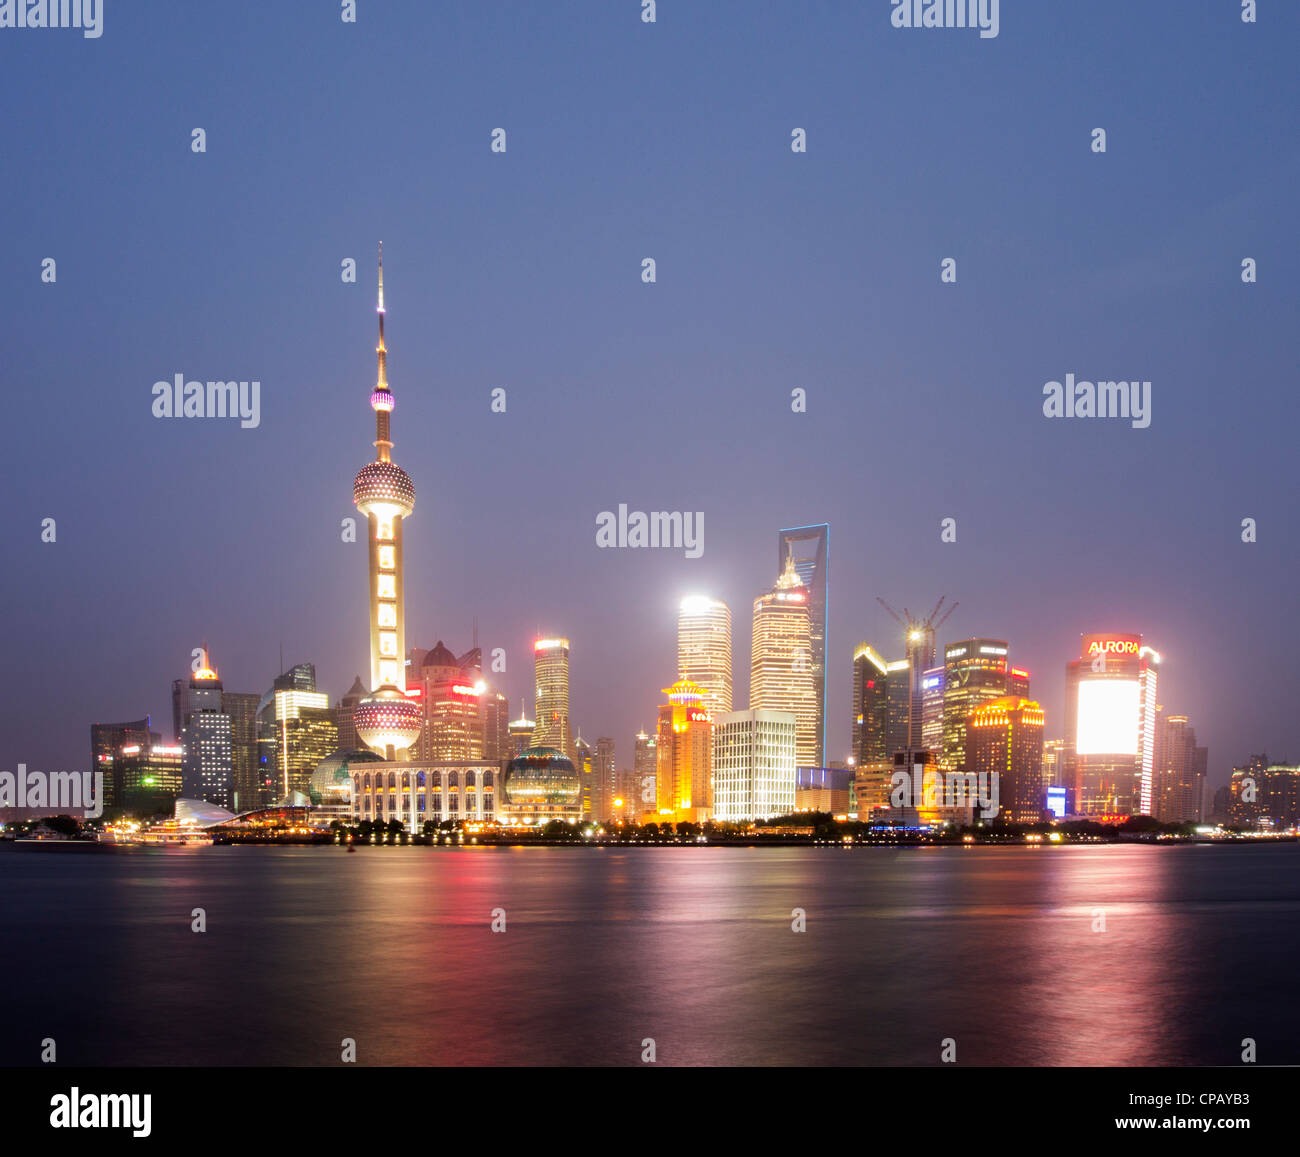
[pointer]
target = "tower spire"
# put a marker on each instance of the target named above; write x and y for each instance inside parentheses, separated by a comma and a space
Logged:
(381, 400)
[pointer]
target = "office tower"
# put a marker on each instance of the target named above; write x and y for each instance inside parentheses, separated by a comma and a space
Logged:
(242, 706)
(871, 787)
(975, 671)
(606, 776)
(149, 778)
(449, 694)
(296, 731)
(781, 674)
(1018, 682)
(344, 715)
(180, 708)
(684, 750)
(582, 764)
(1004, 736)
(496, 726)
(1110, 721)
(642, 792)
(106, 743)
(551, 666)
(932, 689)
(808, 550)
(704, 648)
(521, 733)
(386, 720)
(1053, 762)
(898, 691)
(207, 737)
(870, 713)
(1180, 772)
(1264, 796)
(754, 765)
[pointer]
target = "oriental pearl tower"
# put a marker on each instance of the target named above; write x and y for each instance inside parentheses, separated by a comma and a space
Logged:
(386, 720)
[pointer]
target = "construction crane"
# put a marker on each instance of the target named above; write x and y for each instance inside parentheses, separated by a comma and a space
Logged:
(914, 627)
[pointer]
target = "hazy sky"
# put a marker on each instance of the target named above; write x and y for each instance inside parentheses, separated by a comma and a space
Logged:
(523, 270)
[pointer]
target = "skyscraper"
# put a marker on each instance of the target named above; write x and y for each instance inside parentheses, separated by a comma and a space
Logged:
(809, 548)
(704, 648)
(898, 690)
(975, 670)
(932, 688)
(521, 733)
(386, 719)
(496, 726)
(781, 676)
(685, 752)
(754, 765)
(1180, 772)
(606, 774)
(1110, 725)
(1004, 736)
(551, 665)
(106, 743)
(296, 731)
(242, 706)
(449, 692)
(870, 715)
(344, 713)
(641, 792)
(207, 765)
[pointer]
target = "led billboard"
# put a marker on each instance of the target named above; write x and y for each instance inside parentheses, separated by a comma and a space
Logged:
(1108, 717)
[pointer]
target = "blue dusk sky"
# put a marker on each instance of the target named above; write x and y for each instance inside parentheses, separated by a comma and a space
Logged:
(775, 271)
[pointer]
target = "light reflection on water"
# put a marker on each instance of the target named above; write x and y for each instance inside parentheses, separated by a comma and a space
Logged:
(691, 946)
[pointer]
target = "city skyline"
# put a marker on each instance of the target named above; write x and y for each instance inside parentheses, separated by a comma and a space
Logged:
(527, 278)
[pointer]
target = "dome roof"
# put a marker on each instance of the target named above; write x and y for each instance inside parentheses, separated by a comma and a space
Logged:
(440, 656)
(542, 776)
(333, 776)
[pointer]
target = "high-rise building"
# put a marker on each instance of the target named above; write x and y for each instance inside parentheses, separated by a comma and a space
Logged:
(496, 726)
(1263, 795)
(207, 737)
(975, 671)
(1180, 772)
(386, 720)
(685, 752)
(521, 734)
(642, 792)
(449, 693)
(898, 691)
(1004, 736)
(149, 778)
(296, 731)
(870, 713)
(704, 648)
(1110, 726)
(754, 765)
(1053, 762)
(932, 688)
(245, 786)
(180, 708)
(551, 665)
(606, 775)
(344, 712)
(106, 743)
(781, 674)
(809, 550)
(584, 765)
(1018, 682)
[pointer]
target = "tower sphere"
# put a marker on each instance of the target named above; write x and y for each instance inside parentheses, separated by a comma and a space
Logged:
(385, 489)
(388, 719)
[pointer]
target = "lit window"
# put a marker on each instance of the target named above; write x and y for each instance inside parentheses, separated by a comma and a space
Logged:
(387, 586)
(387, 557)
(388, 642)
(387, 615)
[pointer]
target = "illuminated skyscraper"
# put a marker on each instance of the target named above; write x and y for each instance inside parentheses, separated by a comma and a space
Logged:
(551, 665)
(521, 734)
(932, 685)
(449, 693)
(206, 736)
(386, 719)
(496, 726)
(640, 792)
(1110, 726)
(898, 689)
(584, 765)
(685, 753)
(870, 706)
(754, 765)
(704, 648)
(606, 775)
(809, 549)
(106, 743)
(781, 669)
(241, 706)
(975, 670)
(1005, 736)
(1180, 772)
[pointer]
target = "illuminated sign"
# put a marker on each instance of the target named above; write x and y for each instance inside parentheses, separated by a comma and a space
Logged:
(699, 717)
(993, 650)
(1056, 801)
(1094, 645)
(1108, 717)
(955, 652)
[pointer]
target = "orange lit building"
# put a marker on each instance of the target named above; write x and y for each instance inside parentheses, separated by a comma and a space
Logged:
(1004, 736)
(684, 755)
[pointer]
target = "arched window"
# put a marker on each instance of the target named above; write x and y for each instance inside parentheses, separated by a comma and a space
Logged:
(392, 779)
(453, 779)
(367, 781)
(487, 779)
